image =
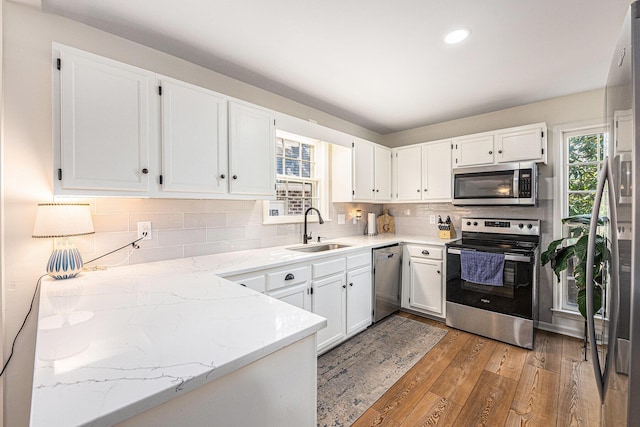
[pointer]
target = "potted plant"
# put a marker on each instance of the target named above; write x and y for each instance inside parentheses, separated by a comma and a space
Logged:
(560, 253)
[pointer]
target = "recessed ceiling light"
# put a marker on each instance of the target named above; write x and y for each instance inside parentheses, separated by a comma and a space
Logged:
(457, 36)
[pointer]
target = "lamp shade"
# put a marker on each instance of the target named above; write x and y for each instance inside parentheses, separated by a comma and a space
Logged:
(62, 220)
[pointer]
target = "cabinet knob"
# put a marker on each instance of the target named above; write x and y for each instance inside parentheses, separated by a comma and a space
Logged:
(223, 176)
(235, 176)
(418, 190)
(425, 189)
(377, 191)
(499, 151)
(289, 277)
(344, 286)
(145, 171)
(425, 252)
(242, 284)
(438, 271)
(490, 152)
(350, 284)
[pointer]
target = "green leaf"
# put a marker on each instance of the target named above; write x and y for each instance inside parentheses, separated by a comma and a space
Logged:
(581, 299)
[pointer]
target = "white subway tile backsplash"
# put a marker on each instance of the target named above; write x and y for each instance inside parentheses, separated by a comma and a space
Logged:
(181, 237)
(219, 234)
(111, 222)
(159, 220)
(205, 219)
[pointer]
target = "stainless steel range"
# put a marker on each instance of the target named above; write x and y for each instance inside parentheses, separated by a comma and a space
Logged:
(492, 279)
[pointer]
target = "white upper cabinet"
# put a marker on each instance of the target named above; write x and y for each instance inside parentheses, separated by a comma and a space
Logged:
(194, 139)
(371, 172)
(436, 170)
(423, 172)
(382, 175)
(408, 173)
(252, 150)
(526, 143)
(107, 113)
(473, 150)
(517, 144)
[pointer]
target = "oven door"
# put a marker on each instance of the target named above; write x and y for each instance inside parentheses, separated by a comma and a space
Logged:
(515, 298)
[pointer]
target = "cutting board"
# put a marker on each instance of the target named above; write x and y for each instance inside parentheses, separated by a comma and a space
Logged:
(386, 223)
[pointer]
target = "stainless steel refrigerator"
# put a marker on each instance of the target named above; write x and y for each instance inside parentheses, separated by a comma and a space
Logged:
(618, 330)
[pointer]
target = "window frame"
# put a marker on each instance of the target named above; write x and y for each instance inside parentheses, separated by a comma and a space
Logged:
(320, 178)
(561, 196)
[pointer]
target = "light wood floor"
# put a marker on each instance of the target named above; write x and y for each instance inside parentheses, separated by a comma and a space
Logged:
(467, 380)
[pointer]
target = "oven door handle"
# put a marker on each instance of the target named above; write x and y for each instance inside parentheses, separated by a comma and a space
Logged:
(507, 256)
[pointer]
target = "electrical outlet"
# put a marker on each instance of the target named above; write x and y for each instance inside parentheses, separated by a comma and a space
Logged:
(144, 227)
(432, 219)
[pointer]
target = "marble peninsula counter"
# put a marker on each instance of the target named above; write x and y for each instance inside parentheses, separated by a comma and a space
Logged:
(173, 343)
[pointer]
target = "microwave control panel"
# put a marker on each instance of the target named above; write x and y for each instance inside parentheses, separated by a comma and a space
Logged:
(525, 183)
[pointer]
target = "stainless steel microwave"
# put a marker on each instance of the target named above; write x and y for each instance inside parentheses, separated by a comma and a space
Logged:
(502, 184)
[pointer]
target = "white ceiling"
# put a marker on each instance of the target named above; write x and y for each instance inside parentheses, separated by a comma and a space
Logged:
(380, 64)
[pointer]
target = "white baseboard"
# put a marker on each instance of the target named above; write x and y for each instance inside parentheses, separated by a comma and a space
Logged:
(571, 330)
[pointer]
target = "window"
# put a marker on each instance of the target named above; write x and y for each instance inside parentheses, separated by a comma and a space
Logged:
(300, 185)
(581, 158)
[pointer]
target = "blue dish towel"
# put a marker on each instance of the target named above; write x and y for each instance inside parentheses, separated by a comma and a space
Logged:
(485, 268)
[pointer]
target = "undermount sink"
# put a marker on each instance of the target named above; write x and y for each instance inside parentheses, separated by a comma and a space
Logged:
(318, 248)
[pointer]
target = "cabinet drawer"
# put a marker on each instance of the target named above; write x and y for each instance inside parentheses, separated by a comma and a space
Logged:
(359, 260)
(429, 252)
(289, 277)
(334, 266)
(257, 283)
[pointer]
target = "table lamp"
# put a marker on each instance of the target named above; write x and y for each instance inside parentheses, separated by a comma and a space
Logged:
(61, 221)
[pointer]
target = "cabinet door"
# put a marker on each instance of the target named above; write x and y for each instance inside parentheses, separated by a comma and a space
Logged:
(296, 295)
(359, 300)
(329, 301)
(363, 172)
(194, 139)
(382, 175)
(437, 171)
(407, 173)
(426, 286)
(474, 150)
(252, 150)
(520, 144)
(105, 124)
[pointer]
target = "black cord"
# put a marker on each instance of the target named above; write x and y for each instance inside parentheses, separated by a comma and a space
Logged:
(23, 323)
(134, 244)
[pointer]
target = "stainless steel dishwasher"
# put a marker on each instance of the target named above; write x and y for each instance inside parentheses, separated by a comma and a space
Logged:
(387, 276)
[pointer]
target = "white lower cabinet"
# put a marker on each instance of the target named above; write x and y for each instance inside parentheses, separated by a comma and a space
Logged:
(337, 288)
(423, 280)
(359, 308)
(329, 301)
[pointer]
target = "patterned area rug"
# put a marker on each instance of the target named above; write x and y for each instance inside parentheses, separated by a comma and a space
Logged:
(352, 376)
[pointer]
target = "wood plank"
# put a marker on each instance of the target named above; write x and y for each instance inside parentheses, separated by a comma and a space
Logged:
(459, 378)
(578, 399)
(507, 360)
(373, 418)
(489, 402)
(547, 352)
(403, 396)
(432, 410)
(573, 348)
(534, 403)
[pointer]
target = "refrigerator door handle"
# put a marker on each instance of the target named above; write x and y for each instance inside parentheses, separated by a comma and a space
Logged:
(603, 373)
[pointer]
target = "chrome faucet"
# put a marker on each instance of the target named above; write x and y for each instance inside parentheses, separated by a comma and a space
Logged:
(306, 237)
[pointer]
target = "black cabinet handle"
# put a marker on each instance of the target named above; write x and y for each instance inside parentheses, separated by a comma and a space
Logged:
(425, 189)
(223, 176)
(242, 284)
(490, 152)
(235, 177)
(344, 286)
(289, 277)
(350, 284)
(377, 191)
(145, 171)
(418, 190)
(438, 271)
(499, 151)
(425, 252)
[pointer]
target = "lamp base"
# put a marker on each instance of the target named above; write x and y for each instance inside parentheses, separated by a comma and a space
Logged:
(65, 261)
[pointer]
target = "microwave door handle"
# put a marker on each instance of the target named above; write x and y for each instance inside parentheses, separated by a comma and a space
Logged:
(516, 183)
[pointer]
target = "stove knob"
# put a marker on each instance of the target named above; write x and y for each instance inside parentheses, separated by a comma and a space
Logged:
(529, 226)
(521, 225)
(475, 223)
(468, 222)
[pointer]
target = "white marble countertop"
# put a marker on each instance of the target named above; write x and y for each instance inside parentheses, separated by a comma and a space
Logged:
(113, 343)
